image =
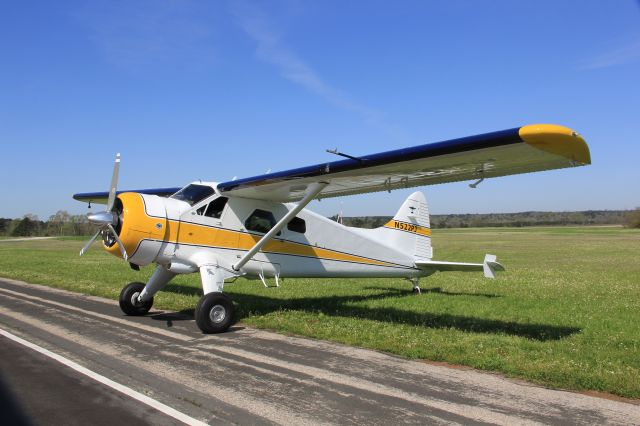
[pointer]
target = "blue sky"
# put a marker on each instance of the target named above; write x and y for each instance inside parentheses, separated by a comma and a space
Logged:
(190, 90)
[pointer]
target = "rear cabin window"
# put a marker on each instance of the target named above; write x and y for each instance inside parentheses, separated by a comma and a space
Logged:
(214, 208)
(193, 194)
(297, 225)
(260, 221)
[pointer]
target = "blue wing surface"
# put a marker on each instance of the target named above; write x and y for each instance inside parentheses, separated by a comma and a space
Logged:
(101, 197)
(519, 150)
(525, 149)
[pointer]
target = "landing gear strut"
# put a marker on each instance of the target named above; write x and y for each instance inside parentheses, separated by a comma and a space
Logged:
(215, 313)
(416, 285)
(129, 302)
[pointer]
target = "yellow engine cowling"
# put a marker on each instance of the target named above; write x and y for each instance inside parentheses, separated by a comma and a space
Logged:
(143, 227)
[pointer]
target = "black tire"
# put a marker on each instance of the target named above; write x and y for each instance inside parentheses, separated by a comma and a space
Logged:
(128, 302)
(215, 313)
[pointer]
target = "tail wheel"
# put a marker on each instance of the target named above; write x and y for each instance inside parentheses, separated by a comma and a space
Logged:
(129, 300)
(215, 313)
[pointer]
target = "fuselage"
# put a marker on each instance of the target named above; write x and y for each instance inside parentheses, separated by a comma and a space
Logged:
(203, 227)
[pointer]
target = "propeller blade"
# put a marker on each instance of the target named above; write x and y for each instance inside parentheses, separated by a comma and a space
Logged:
(107, 218)
(114, 183)
(115, 235)
(86, 246)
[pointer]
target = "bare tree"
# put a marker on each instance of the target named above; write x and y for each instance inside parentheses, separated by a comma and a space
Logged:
(57, 222)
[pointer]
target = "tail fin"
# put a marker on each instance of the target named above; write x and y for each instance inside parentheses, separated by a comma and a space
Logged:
(409, 231)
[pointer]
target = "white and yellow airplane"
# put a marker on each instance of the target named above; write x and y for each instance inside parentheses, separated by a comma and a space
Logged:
(252, 227)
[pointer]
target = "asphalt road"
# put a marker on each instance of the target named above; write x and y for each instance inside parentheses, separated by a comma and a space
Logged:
(38, 390)
(244, 376)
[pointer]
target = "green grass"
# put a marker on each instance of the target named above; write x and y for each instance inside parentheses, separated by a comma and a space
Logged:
(566, 313)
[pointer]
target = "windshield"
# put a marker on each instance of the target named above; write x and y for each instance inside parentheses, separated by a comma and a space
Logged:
(193, 193)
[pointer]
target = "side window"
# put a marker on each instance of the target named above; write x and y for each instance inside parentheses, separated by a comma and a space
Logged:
(297, 225)
(215, 207)
(260, 221)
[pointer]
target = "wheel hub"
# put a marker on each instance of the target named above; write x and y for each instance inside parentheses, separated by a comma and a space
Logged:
(217, 314)
(134, 299)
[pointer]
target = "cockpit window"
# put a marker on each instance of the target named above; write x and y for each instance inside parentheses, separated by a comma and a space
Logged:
(193, 193)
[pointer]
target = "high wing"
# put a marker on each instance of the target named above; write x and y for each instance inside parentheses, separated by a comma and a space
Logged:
(523, 149)
(101, 197)
(519, 150)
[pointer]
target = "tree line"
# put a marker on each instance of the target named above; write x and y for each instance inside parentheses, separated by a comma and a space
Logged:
(60, 224)
(64, 224)
(628, 218)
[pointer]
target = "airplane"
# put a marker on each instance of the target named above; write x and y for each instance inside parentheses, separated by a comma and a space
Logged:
(258, 227)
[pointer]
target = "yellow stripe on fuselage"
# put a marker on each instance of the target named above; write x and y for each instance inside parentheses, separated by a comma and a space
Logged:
(139, 226)
(408, 227)
(202, 235)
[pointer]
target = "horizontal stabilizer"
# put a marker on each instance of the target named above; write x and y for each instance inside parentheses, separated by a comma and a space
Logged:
(489, 266)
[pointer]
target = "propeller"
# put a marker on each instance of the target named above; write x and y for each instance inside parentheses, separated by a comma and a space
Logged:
(106, 220)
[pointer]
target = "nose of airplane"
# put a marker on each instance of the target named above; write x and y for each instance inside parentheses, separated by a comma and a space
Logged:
(136, 224)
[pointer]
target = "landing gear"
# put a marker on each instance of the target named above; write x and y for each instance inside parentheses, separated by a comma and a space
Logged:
(129, 302)
(215, 313)
(416, 285)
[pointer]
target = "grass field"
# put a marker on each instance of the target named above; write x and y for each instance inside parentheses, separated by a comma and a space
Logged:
(565, 314)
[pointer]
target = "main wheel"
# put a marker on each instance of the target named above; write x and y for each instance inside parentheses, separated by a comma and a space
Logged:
(214, 313)
(129, 300)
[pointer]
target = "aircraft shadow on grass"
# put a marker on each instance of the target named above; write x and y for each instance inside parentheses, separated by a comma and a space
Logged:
(439, 290)
(341, 306)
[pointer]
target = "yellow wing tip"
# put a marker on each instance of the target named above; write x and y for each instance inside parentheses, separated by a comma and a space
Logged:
(558, 140)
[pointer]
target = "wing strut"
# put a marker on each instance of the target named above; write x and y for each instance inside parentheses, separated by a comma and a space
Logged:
(312, 192)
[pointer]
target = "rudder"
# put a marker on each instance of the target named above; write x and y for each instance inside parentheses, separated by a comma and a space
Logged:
(410, 230)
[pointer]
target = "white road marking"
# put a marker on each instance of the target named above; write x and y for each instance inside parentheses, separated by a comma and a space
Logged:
(172, 412)
(464, 410)
(491, 392)
(277, 414)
